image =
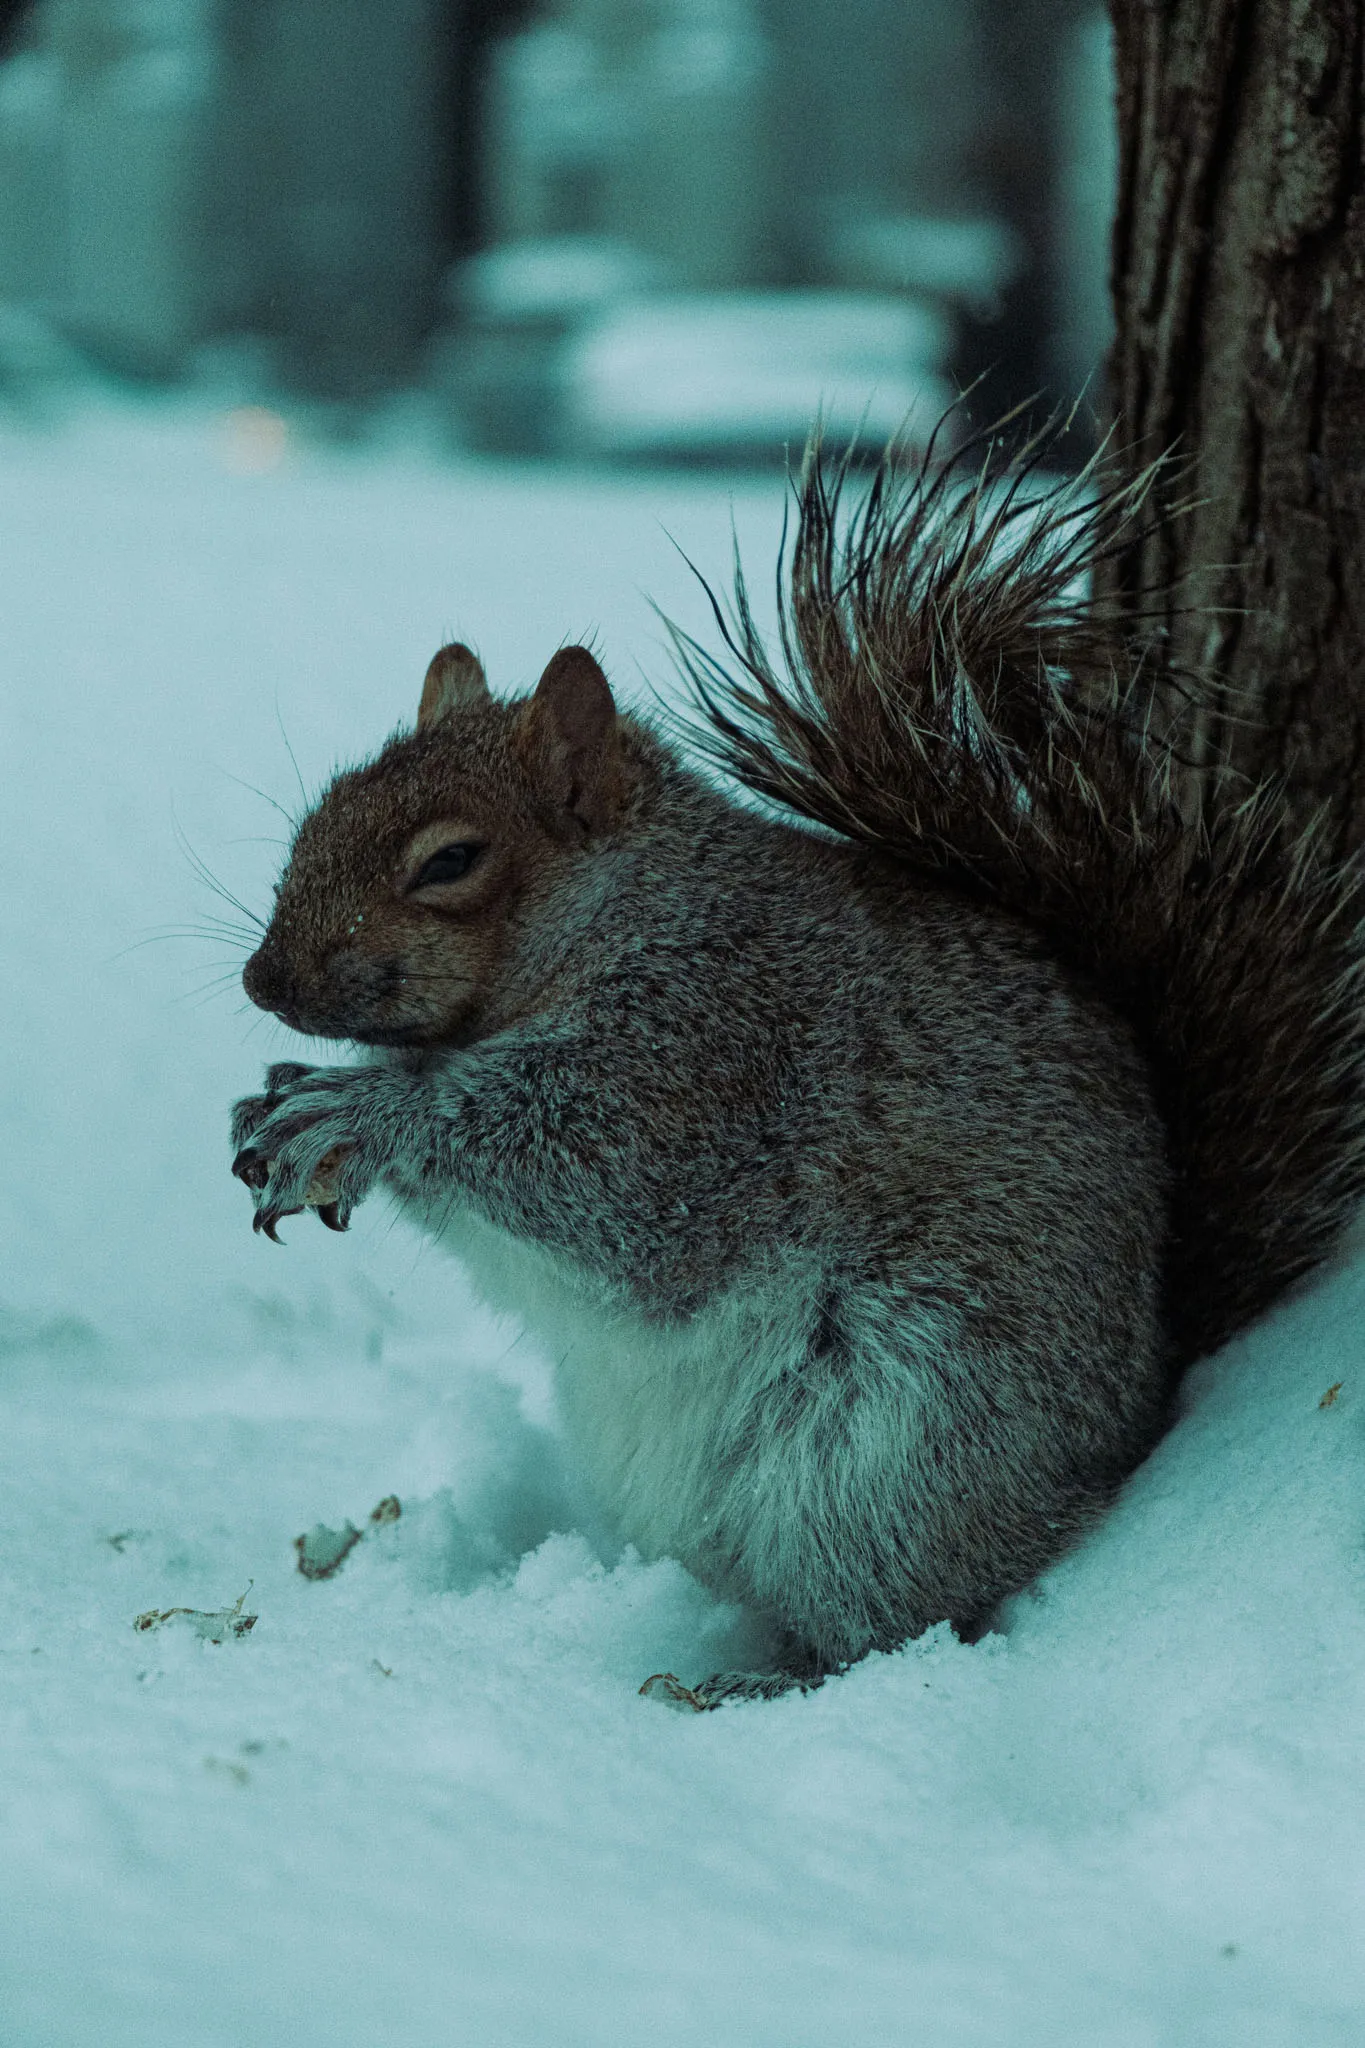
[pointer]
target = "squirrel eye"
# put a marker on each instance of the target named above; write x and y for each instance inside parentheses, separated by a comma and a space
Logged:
(448, 865)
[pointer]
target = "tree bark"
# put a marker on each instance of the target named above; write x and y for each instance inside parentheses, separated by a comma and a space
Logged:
(1239, 290)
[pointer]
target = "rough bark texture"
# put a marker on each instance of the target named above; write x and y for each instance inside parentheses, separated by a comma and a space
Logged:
(1239, 286)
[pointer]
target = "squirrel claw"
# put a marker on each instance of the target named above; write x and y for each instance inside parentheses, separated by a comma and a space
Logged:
(265, 1220)
(664, 1686)
(251, 1167)
(330, 1214)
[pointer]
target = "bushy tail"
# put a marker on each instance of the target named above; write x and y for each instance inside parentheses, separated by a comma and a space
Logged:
(951, 696)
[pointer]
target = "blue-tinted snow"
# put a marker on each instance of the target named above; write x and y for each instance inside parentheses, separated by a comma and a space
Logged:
(421, 1803)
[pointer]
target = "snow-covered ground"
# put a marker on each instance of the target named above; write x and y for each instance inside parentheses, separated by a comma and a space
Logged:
(421, 1803)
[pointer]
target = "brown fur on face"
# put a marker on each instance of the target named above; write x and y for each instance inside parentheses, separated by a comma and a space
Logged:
(360, 946)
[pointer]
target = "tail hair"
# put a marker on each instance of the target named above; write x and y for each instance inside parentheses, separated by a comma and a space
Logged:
(950, 694)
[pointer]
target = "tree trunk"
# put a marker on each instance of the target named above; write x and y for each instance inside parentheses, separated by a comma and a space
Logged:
(1239, 289)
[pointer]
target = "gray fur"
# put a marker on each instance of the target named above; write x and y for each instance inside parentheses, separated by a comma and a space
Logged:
(841, 1202)
(838, 1173)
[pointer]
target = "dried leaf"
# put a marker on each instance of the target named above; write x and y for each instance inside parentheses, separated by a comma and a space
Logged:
(218, 1625)
(323, 1551)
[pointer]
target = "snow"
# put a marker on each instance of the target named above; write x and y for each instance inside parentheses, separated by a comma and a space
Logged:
(421, 1802)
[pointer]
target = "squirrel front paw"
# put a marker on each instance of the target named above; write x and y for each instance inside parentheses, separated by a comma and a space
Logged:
(307, 1143)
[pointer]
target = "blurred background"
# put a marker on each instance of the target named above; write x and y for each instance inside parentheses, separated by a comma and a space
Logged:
(582, 229)
(331, 330)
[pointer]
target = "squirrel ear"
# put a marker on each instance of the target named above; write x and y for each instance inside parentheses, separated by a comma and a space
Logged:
(569, 735)
(455, 678)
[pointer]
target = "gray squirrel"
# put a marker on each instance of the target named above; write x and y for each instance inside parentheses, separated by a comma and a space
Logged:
(874, 1156)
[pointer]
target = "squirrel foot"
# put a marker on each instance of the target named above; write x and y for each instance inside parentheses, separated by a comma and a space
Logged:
(721, 1686)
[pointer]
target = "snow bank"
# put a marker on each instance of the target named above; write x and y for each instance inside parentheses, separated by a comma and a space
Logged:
(420, 1801)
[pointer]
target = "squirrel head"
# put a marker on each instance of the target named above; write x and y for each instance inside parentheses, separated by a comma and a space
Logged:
(406, 889)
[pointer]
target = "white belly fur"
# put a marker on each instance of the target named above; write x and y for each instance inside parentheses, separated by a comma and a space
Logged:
(725, 1441)
(655, 1413)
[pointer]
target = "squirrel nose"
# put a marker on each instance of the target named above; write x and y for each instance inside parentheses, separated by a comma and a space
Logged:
(267, 983)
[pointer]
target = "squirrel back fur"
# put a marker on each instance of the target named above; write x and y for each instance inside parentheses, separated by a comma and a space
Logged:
(955, 697)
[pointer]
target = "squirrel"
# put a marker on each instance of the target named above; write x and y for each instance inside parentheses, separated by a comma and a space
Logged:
(873, 1145)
